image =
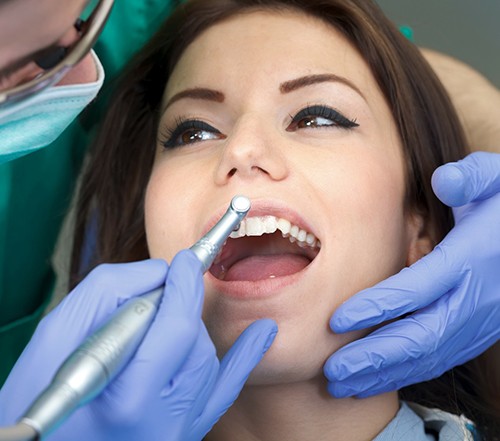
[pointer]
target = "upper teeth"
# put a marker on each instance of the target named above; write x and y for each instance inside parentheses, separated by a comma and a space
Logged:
(259, 225)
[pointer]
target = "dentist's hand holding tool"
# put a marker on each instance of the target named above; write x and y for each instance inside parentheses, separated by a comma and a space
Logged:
(453, 295)
(174, 387)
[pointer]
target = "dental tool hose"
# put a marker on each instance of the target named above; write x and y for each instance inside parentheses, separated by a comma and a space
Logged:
(102, 356)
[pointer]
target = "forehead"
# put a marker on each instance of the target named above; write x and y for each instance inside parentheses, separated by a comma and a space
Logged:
(269, 46)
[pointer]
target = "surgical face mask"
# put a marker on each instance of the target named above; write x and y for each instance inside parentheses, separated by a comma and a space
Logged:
(37, 121)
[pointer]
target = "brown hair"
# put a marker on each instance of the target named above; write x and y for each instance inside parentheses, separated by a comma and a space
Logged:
(114, 184)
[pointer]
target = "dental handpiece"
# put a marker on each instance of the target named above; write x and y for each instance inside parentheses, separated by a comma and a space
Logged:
(102, 356)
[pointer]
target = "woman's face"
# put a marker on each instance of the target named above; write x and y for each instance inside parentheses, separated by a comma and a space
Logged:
(281, 108)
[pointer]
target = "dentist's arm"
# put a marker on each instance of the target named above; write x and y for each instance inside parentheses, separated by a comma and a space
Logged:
(174, 388)
(453, 293)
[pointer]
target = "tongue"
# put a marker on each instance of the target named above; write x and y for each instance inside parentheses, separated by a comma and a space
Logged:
(265, 267)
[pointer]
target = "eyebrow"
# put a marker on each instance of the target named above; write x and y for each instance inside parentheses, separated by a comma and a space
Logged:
(308, 80)
(198, 93)
(202, 93)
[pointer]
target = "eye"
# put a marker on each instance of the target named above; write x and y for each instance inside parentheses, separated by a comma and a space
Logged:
(190, 132)
(320, 116)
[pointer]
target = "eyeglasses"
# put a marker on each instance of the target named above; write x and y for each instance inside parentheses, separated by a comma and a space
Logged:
(56, 61)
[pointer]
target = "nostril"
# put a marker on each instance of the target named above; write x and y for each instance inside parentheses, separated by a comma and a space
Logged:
(232, 172)
(262, 170)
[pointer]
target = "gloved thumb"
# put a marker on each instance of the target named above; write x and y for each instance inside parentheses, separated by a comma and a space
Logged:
(474, 178)
(235, 368)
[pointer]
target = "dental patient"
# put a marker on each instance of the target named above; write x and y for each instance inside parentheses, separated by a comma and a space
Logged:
(332, 124)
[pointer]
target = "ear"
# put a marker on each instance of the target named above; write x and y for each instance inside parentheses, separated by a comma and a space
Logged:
(420, 238)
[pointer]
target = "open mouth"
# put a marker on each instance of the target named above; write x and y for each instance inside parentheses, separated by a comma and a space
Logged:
(265, 247)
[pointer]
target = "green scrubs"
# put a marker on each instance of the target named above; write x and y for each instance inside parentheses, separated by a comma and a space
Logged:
(35, 190)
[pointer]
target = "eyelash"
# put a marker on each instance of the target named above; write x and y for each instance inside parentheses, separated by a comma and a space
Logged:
(321, 111)
(172, 138)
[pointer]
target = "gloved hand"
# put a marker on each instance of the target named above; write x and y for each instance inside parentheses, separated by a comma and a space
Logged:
(174, 387)
(454, 291)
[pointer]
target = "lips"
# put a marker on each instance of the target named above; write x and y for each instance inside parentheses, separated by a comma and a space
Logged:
(267, 246)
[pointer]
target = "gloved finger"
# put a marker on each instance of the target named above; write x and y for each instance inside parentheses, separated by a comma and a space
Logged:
(415, 337)
(383, 380)
(165, 401)
(472, 217)
(188, 391)
(362, 387)
(411, 289)
(474, 178)
(184, 288)
(104, 289)
(235, 368)
(175, 328)
(399, 376)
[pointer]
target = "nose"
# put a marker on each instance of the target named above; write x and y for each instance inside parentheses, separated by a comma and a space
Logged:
(252, 152)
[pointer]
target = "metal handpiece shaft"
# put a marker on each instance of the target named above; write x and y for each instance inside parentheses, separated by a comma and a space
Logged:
(95, 363)
(207, 248)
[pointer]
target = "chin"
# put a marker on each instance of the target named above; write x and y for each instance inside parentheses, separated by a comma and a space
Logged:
(297, 354)
(283, 366)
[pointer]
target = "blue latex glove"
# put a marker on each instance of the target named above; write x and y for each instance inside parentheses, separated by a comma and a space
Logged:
(174, 388)
(454, 291)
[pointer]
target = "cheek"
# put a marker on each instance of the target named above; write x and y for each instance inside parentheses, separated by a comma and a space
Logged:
(367, 237)
(382, 212)
(378, 211)
(165, 216)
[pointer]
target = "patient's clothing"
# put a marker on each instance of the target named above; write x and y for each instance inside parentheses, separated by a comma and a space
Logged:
(417, 423)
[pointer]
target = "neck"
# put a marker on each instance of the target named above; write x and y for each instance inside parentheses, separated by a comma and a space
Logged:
(303, 411)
